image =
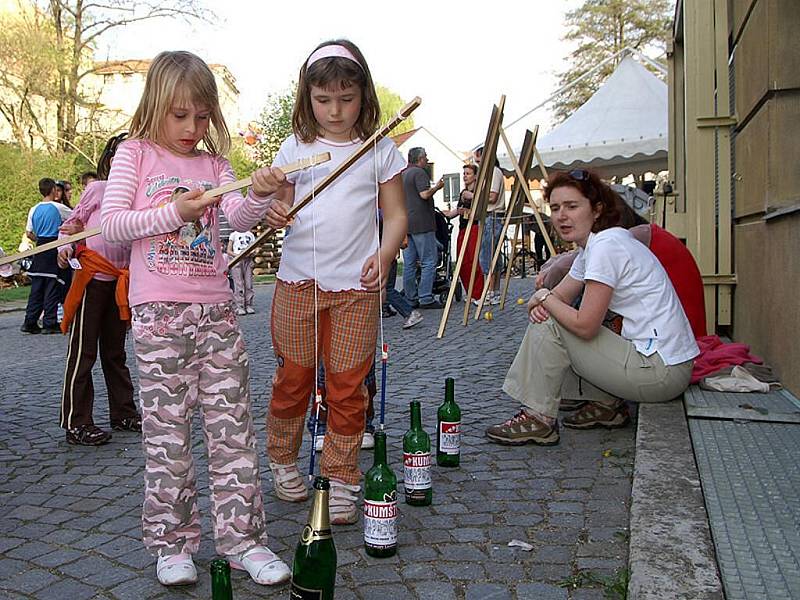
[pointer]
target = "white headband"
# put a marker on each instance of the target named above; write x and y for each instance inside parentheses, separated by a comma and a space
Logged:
(329, 51)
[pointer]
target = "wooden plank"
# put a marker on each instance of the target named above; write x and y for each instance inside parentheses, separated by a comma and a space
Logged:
(334, 175)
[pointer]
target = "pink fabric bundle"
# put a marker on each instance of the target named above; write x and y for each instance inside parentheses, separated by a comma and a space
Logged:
(716, 355)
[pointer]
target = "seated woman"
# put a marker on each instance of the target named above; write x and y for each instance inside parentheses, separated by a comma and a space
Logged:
(564, 348)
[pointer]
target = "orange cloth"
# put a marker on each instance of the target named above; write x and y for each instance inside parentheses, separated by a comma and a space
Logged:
(92, 263)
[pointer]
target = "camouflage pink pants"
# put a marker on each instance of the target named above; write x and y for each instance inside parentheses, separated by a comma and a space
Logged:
(190, 356)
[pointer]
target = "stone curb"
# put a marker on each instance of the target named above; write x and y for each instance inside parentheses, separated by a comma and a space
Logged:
(671, 552)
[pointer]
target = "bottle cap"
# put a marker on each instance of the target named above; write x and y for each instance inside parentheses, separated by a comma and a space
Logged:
(321, 483)
(219, 565)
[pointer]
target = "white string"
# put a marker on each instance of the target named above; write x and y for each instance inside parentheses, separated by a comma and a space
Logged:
(317, 394)
(384, 354)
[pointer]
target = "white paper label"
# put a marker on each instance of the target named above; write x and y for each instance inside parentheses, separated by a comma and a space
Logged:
(450, 437)
(380, 523)
(417, 471)
(75, 264)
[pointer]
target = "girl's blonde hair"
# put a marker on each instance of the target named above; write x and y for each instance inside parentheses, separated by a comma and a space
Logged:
(177, 79)
(329, 71)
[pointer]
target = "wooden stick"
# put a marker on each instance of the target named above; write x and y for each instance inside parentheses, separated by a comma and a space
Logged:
(507, 277)
(50, 245)
(516, 197)
(525, 189)
(297, 165)
(335, 174)
(480, 186)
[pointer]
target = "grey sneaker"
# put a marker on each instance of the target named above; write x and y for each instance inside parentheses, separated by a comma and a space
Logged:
(414, 318)
(495, 298)
(521, 429)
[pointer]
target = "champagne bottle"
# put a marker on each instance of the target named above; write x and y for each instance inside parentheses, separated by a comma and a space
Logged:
(380, 504)
(314, 568)
(417, 461)
(221, 588)
(448, 434)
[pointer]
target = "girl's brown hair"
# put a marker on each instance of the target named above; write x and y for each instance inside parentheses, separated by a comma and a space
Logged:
(593, 189)
(329, 71)
(104, 163)
(177, 79)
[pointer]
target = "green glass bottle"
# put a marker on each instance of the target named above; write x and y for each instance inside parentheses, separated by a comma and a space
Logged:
(380, 504)
(221, 588)
(448, 430)
(314, 568)
(417, 461)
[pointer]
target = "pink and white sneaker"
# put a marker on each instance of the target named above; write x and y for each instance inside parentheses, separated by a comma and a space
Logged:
(262, 564)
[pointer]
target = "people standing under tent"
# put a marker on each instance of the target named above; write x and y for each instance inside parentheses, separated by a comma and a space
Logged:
(493, 229)
(421, 232)
(541, 249)
(462, 212)
(44, 219)
(190, 352)
(93, 309)
(327, 302)
(242, 272)
(566, 349)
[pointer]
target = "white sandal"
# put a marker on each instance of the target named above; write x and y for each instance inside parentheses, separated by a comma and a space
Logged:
(262, 564)
(342, 503)
(177, 569)
(289, 484)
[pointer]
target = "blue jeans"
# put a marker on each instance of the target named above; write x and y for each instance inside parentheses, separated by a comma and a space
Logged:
(394, 298)
(489, 243)
(422, 247)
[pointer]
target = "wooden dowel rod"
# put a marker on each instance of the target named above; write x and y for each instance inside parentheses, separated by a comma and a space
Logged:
(297, 165)
(335, 174)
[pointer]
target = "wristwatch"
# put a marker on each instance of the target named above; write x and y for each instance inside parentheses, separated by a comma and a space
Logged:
(542, 294)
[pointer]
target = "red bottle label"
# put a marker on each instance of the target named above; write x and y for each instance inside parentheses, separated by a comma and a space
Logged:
(450, 437)
(417, 471)
(380, 523)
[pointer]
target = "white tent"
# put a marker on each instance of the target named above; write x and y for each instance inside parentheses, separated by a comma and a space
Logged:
(621, 129)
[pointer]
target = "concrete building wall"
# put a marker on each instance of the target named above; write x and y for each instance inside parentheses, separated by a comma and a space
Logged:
(766, 215)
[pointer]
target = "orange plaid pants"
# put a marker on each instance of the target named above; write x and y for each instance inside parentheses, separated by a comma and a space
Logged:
(347, 330)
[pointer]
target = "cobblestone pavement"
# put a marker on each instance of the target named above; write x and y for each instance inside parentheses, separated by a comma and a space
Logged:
(70, 525)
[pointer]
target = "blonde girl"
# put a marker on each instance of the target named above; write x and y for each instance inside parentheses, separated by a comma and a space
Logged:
(189, 349)
(327, 298)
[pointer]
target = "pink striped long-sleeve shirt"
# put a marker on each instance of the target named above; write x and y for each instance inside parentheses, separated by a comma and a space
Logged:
(172, 261)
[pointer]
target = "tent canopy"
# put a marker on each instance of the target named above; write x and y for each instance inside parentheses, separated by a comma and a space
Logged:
(621, 129)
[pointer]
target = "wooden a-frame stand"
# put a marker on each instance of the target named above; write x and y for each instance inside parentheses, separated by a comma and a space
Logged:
(520, 193)
(477, 211)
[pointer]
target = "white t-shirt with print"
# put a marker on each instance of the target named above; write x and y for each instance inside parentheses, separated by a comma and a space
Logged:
(339, 226)
(652, 315)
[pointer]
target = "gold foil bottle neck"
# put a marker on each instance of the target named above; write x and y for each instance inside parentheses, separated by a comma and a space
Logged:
(319, 521)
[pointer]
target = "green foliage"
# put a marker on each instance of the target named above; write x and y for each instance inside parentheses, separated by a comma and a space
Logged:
(601, 28)
(391, 103)
(241, 161)
(275, 123)
(20, 172)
